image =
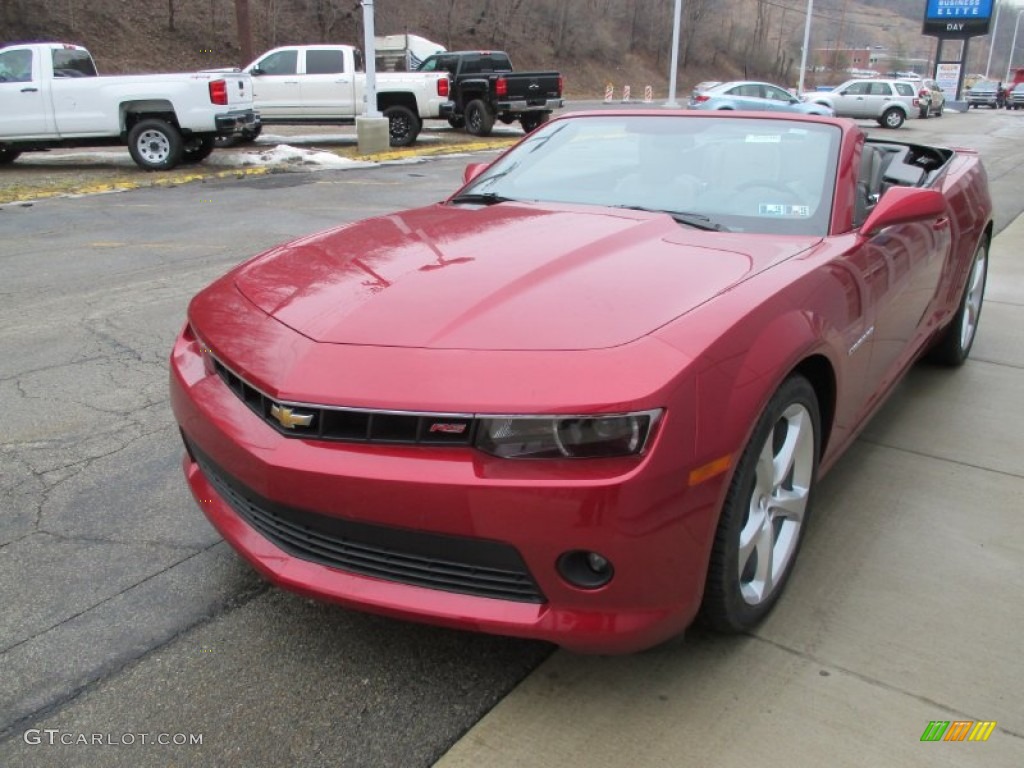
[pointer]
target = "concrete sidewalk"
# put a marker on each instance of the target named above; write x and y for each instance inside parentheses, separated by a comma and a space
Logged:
(905, 607)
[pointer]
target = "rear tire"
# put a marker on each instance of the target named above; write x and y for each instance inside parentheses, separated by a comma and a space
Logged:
(155, 145)
(8, 156)
(891, 118)
(403, 126)
(765, 511)
(954, 345)
(457, 122)
(479, 118)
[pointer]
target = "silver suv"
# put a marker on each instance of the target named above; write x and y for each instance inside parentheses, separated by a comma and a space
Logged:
(890, 102)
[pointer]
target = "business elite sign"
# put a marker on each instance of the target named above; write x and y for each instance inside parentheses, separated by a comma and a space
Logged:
(957, 18)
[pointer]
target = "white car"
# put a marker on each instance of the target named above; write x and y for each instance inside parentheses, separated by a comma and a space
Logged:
(890, 102)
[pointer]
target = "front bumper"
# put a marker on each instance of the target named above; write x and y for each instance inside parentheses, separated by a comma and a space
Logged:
(237, 123)
(449, 504)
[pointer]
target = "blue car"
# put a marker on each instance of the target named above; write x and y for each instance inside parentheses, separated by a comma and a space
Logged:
(750, 95)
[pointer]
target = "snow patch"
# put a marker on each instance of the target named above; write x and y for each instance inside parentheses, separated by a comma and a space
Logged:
(284, 155)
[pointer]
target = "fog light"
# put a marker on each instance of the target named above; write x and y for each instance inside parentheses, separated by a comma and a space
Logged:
(585, 570)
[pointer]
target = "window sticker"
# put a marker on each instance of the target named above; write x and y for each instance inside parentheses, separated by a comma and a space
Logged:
(782, 209)
(756, 138)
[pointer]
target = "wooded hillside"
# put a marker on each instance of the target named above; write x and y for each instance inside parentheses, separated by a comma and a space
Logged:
(591, 41)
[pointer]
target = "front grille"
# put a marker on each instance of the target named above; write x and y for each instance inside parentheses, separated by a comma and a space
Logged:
(351, 424)
(450, 563)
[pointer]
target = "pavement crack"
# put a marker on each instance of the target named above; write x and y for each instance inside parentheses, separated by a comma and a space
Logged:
(108, 540)
(108, 598)
(231, 604)
(875, 682)
(936, 457)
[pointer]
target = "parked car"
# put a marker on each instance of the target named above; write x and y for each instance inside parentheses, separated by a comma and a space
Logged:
(751, 95)
(485, 88)
(931, 97)
(52, 96)
(1015, 98)
(428, 414)
(984, 93)
(703, 86)
(890, 102)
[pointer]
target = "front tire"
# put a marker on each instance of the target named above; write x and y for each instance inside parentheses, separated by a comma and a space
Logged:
(892, 118)
(479, 118)
(403, 126)
(762, 520)
(8, 156)
(531, 121)
(954, 345)
(155, 145)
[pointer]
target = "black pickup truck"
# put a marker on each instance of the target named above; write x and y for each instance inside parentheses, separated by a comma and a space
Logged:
(484, 88)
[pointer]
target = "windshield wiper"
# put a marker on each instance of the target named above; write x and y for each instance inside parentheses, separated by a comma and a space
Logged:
(483, 198)
(695, 220)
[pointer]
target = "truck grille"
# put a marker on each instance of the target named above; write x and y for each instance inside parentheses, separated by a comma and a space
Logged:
(467, 566)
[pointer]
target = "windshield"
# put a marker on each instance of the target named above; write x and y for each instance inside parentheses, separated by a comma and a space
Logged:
(726, 173)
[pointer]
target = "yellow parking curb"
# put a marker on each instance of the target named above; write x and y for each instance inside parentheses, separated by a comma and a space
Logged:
(119, 185)
(444, 149)
(23, 195)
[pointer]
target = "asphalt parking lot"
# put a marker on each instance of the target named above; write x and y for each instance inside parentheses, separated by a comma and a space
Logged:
(127, 615)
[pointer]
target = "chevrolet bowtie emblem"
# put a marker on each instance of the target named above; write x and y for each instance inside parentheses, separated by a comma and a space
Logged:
(288, 418)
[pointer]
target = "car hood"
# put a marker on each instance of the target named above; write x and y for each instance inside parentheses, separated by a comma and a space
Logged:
(511, 276)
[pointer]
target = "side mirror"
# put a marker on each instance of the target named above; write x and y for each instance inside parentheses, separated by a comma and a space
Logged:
(900, 205)
(472, 171)
(257, 70)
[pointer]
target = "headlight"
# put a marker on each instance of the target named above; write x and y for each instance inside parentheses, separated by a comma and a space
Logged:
(574, 437)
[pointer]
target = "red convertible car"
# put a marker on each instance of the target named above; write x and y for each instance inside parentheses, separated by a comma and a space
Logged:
(589, 396)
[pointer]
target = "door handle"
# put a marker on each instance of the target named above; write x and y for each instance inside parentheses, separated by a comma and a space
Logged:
(30, 89)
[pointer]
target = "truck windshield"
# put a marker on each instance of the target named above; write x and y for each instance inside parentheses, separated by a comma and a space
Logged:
(68, 62)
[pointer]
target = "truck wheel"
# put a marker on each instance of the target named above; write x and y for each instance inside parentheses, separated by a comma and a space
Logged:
(479, 118)
(155, 145)
(533, 120)
(403, 126)
(457, 122)
(891, 118)
(197, 148)
(8, 156)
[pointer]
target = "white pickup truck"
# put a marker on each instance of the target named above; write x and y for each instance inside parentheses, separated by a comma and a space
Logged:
(51, 96)
(324, 84)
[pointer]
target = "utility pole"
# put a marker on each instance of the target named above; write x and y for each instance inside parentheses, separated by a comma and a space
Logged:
(372, 132)
(672, 103)
(803, 54)
(244, 30)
